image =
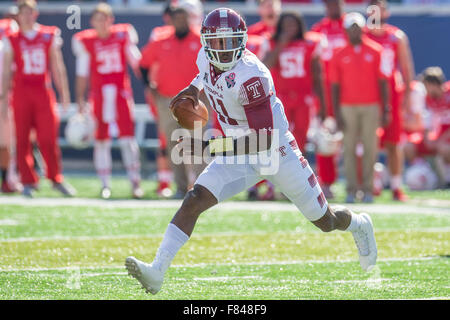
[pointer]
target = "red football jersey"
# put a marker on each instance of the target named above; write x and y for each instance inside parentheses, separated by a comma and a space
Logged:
(389, 40)
(336, 38)
(108, 61)
(293, 73)
(261, 29)
(32, 56)
(440, 109)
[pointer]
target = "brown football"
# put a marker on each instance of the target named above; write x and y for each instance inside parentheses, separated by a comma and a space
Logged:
(184, 113)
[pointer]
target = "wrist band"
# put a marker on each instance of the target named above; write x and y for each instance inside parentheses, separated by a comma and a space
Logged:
(221, 146)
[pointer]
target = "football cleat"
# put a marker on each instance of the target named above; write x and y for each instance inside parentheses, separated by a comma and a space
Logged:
(150, 277)
(138, 193)
(6, 188)
(164, 190)
(105, 193)
(368, 198)
(65, 189)
(350, 198)
(399, 195)
(28, 191)
(365, 242)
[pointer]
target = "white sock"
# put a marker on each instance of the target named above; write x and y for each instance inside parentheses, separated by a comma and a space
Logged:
(396, 182)
(173, 240)
(131, 158)
(355, 222)
(103, 162)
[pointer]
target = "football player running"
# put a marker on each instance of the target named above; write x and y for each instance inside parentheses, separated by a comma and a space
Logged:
(240, 87)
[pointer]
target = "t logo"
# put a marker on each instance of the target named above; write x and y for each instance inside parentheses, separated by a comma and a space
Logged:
(253, 89)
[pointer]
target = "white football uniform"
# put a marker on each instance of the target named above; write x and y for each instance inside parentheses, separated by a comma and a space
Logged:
(247, 82)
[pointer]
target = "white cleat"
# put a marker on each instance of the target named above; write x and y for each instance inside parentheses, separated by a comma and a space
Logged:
(151, 278)
(365, 242)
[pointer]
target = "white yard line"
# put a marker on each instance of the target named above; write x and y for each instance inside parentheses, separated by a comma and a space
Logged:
(200, 235)
(228, 205)
(212, 265)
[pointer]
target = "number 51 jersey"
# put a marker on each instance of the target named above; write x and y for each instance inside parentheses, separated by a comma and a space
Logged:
(247, 83)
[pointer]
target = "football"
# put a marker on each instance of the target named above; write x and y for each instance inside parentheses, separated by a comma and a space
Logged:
(186, 115)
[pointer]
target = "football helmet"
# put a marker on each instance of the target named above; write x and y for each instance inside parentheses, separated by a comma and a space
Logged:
(327, 139)
(80, 130)
(223, 37)
(420, 176)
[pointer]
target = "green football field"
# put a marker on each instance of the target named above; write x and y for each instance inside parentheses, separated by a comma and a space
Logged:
(55, 248)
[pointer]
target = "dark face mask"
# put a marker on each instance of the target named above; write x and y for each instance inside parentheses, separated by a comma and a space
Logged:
(180, 34)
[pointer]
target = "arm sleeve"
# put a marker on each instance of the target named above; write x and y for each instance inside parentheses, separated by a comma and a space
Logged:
(82, 58)
(131, 50)
(254, 95)
(418, 98)
(6, 45)
(197, 82)
(57, 41)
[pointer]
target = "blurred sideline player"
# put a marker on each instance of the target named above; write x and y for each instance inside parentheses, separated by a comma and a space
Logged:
(172, 54)
(259, 34)
(35, 50)
(294, 61)
(102, 54)
(164, 174)
(396, 60)
(332, 27)
(195, 11)
(269, 12)
(7, 161)
(250, 110)
(435, 139)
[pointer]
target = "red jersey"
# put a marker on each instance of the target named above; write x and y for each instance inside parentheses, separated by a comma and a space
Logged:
(175, 60)
(107, 56)
(389, 40)
(292, 74)
(32, 55)
(257, 45)
(440, 109)
(336, 39)
(261, 29)
(357, 70)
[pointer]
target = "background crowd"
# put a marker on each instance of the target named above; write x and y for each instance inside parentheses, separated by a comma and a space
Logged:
(348, 87)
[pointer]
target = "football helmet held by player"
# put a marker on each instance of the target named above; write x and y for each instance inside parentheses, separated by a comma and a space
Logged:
(80, 130)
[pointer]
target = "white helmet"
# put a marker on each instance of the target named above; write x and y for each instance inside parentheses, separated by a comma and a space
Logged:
(80, 130)
(327, 139)
(420, 176)
(223, 30)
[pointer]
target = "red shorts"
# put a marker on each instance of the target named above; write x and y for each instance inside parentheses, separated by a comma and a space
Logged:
(393, 132)
(113, 108)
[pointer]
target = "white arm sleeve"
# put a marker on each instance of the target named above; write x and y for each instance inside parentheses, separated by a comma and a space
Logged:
(6, 45)
(132, 51)
(197, 82)
(82, 56)
(133, 55)
(57, 41)
(418, 98)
